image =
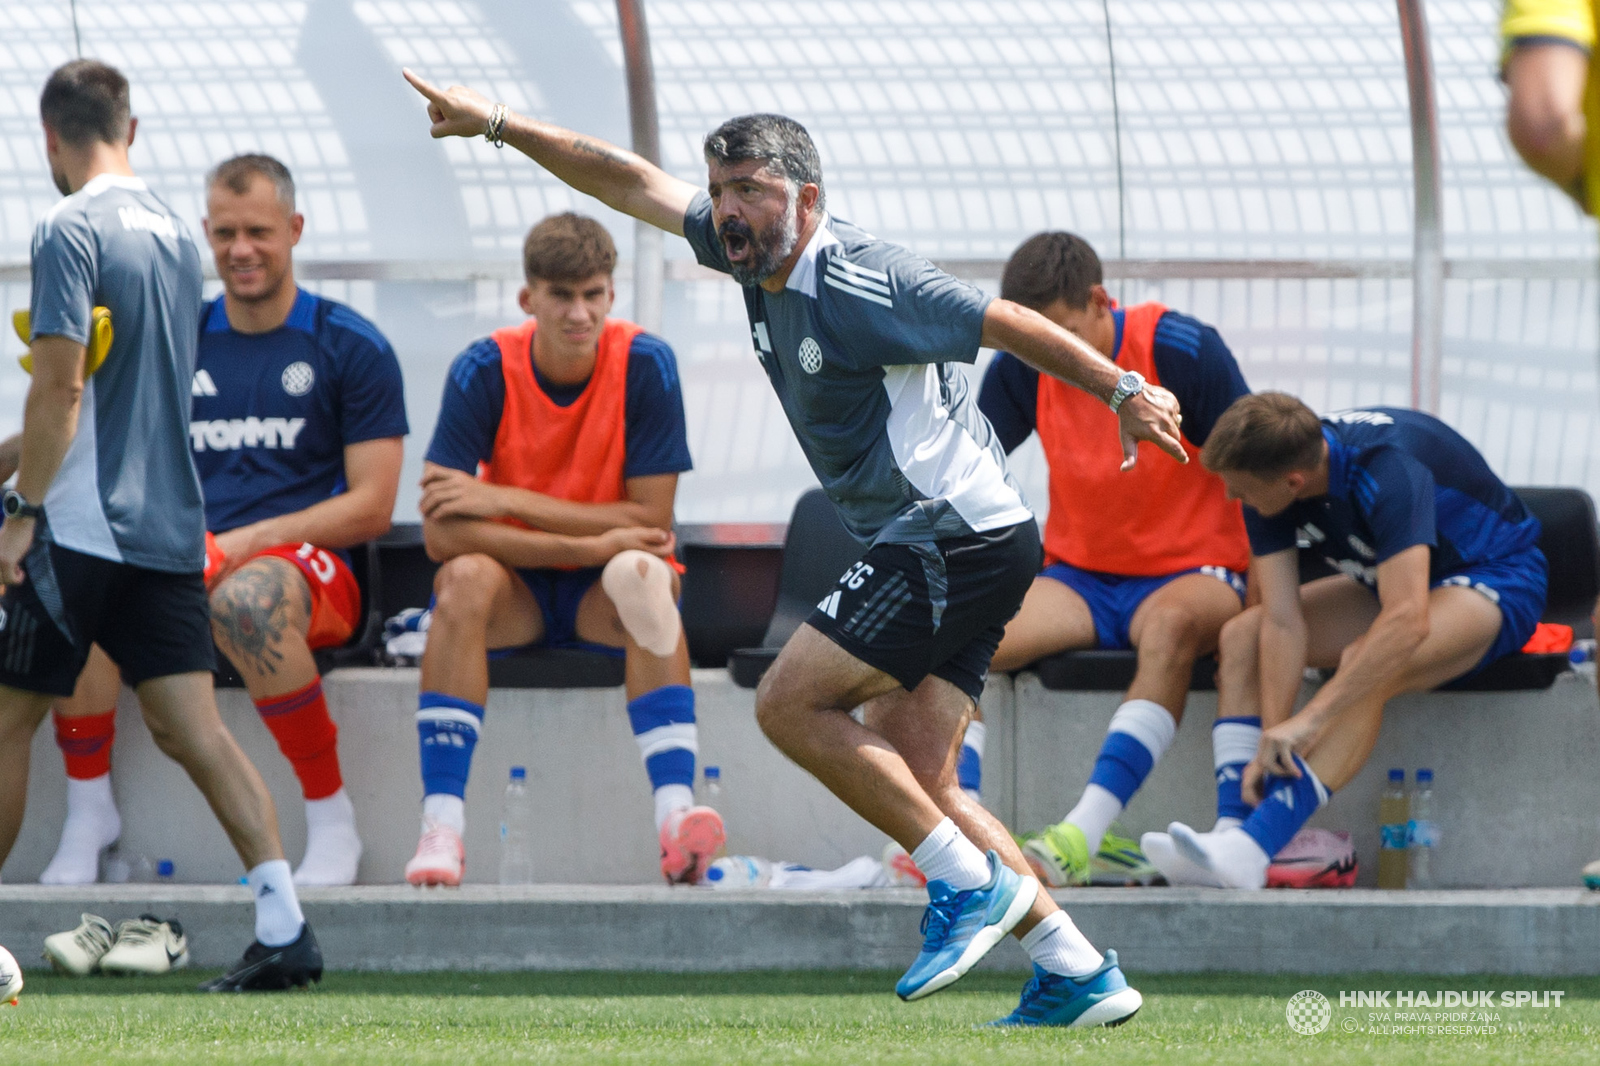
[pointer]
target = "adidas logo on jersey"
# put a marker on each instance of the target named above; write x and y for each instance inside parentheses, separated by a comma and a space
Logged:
(830, 605)
(203, 385)
(140, 218)
(231, 434)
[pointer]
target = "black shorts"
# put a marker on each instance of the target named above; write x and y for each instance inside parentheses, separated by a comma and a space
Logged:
(936, 608)
(152, 623)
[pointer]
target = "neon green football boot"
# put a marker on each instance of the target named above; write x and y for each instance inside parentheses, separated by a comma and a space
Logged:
(1059, 855)
(1119, 862)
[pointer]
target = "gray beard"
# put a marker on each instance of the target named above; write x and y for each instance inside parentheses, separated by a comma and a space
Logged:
(770, 254)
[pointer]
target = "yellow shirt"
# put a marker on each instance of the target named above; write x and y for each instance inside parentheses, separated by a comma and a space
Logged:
(1566, 20)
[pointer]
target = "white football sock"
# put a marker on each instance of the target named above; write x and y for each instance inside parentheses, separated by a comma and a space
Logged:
(278, 917)
(1060, 947)
(640, 587)
(671, 798)
(946, 855)
(333, 848)
(1232, 855)
(92, 825)
(1094, 814)
(445, 809)
(1227, 823)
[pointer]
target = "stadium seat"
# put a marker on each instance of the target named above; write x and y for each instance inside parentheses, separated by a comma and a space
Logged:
(730, 588)
(807, 573)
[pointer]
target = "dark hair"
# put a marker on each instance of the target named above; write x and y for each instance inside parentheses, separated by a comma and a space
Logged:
(568, 247)
(85, 101)
(1267, 434)
(776, 140)
(1048, 267)
(238, 172)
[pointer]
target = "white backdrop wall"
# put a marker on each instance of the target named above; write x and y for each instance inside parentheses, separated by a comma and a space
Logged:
(1244, 130)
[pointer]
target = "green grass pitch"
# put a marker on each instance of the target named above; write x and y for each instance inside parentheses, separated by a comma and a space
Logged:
(768, 1018)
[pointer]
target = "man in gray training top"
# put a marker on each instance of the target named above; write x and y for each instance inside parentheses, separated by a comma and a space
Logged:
(856, 335)
(103, 541)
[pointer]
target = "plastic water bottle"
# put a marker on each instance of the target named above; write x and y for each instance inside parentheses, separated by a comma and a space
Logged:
(711, 786)
(1423, 834)
(739, 871)
(1582, 657)
(516, 820)
(164, 871)
(1393, 818)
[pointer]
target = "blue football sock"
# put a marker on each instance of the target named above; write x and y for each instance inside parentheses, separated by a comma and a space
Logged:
(969, 764)
(1289, 804)
(664, 727)
(447, 731)
(1139, 734)
(1234, 742)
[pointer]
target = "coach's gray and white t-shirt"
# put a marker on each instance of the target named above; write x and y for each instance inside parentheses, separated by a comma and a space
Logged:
(127, 490)
(857, 347)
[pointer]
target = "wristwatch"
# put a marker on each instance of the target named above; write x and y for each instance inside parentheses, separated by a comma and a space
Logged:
(16, 506)
(1129, 384)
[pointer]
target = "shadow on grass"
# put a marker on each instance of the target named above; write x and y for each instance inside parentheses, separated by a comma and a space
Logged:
(798, 983)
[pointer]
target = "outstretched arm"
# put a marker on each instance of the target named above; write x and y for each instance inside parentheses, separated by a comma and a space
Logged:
(1152, 415)
(612, 175)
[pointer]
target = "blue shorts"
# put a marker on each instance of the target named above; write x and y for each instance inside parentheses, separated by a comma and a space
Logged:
(558, 593)
(1517, 585)
(1113, 598)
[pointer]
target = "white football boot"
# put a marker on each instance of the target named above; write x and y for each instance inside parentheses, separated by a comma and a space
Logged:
(78, 951)
(441, 857)
(147, 945)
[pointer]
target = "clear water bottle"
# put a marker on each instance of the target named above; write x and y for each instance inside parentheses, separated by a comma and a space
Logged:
(1393, 828)
(711, 786)
(1423, 833)
(1582, 657)
(516, 837)
(739, 871)
(164, 871)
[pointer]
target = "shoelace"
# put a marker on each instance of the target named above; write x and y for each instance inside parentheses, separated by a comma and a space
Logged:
(938, 918)
(438, 838)
(93, 938)
(137, 931)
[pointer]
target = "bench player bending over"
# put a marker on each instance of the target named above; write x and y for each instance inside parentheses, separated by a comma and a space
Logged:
(576, 422)
(1441, 576)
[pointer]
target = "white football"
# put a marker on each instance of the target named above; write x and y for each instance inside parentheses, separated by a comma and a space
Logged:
(10, 978)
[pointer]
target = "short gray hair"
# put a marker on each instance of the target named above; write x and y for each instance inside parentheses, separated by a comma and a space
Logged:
(236, 173)
(776, 140)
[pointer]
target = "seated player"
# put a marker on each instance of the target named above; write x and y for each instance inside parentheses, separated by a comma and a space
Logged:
(1151, 558)
(298, 426)
(1441, 576)
(576, 421)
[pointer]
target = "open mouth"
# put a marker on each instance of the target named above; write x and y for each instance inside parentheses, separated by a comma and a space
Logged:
(736, 246)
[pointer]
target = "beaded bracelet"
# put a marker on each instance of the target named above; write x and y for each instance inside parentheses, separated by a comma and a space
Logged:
(493, 133)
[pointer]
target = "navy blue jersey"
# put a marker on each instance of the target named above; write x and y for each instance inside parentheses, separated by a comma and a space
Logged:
(654, 436)
(273, 412)
(1398, 478)
(1192, 363)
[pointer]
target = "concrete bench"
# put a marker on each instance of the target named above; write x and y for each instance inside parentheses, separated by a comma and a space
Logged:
(1518, 791)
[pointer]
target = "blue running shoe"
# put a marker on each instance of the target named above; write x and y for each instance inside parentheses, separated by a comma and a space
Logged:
(1099, 998)
(959, 928)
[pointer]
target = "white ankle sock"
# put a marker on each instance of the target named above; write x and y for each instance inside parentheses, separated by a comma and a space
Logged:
(946, 855)
(1095, 812)
(92, 825)
(333, 848)
(278, 917)
(1232, 854)
(1060, 947)
(671, 798)
(446, 810)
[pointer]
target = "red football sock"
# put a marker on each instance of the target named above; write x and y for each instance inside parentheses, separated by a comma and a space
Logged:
(85, 743)
(307, 737)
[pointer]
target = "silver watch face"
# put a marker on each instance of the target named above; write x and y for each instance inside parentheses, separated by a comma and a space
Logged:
(1129, 382)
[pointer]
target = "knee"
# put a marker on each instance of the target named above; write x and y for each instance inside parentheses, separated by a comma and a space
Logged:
(777, 707)
(1170, 633)
(257, 603)
(464, 587)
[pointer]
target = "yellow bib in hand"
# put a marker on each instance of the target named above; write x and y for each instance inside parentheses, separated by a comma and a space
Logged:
(99, 339)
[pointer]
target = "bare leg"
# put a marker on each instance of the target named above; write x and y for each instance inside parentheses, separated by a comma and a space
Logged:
(98, 688)
(479, 605)
(260, 617)
(87, 719)
(597, 622)
(181, 711)
(1174, 626)
(1052, 619)
(20, 714)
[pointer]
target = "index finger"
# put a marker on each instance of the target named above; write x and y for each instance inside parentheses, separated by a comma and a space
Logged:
(425, 88)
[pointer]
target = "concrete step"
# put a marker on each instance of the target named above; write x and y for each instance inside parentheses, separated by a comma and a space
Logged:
(573, 927)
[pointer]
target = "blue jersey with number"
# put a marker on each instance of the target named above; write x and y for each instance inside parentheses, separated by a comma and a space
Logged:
(273, 412)
(1396, 479)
